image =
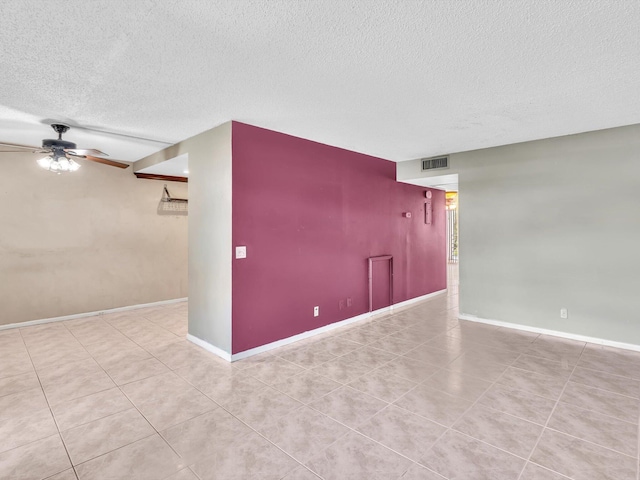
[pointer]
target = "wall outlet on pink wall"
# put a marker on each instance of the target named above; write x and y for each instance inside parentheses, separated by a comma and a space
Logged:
(349, 301)
(341, 304)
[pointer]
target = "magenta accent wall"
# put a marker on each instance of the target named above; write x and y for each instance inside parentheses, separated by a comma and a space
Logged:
(310, 216)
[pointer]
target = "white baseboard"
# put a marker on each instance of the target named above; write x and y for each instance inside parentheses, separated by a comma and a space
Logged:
(409, 303)
(210, 348)
(332, 326)
(555, 333)
(91, 314)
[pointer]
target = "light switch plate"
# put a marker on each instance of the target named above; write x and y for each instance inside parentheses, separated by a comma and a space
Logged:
(241, 252)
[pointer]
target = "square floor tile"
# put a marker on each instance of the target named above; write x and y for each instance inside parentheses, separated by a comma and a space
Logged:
(37, 460)
(89, 408)
(201, 436)
(601, 401)
(348, 406)
(605, 381)
(433, 404)
(355, 456)
(185, 474)
(432, 355)
(382, 385)
(410, 369)
(127, 371)
(418, 472)
(307, 386)
(307, 357)
(175, 408)
(156, 388)
(457, 384)
(274, 370)
(402, 431)
(536, 472)
(148, 458)
(18, 383)
(458, 457)
(268, 405)
(21, 404)
(301, 473)
(303, 432)
(227, 389)
(501, 430)
(336, 345)
(580, 460)
(96, 438)
(18, 431)
(611, 365)
(248, 457)
(66, 475)
(534, 383)
(518, 403)
(76, 388)
(342, 370)
(544, 366)
(594, 427)
(477, 367)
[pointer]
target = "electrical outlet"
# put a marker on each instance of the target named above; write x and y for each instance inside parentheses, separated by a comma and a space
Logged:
(349, 301)
(341, 304)
(316, 311)
(564, 313)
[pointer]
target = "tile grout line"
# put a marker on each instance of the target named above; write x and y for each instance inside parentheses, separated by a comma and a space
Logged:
(440, 368)
(55, 421)
(127, 397)
(520, 418)
(307, 405)
(211, 399)
(551, 414)
(129, 400)
(306, 369)
(473, 404)
(247, 425)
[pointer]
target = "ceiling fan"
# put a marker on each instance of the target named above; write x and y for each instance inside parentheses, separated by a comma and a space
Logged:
(61, 153)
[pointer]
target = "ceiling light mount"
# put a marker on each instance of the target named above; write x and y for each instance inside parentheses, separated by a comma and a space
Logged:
(60, 128)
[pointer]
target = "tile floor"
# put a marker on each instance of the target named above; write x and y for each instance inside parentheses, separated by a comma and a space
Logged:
(414, 395)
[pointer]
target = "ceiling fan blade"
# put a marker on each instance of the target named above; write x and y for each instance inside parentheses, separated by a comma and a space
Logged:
(104, 161)
(85, 151)
(5, 150)
(17, 145)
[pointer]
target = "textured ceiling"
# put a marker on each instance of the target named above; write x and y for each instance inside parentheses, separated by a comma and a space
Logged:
(399, 79)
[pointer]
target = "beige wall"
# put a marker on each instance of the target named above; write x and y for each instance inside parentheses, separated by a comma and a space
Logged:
(85, 241)
(210, 247)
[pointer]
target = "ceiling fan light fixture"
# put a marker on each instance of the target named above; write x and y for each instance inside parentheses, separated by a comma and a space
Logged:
(58, 164)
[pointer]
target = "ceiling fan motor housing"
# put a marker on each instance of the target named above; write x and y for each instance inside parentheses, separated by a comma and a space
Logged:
(50, 143)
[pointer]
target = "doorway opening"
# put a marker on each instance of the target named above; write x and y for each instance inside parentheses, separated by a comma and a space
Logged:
(452, 226)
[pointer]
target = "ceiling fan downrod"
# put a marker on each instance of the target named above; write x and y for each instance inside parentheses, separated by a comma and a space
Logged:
(59, 128)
